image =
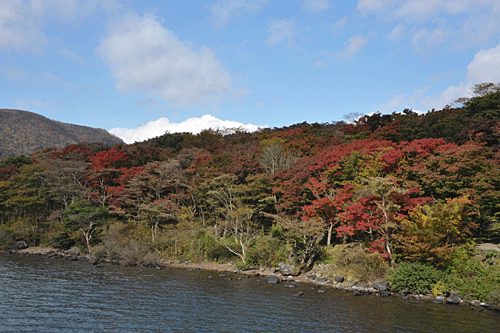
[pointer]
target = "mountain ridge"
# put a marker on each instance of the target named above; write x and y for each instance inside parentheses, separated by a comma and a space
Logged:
(25, 132)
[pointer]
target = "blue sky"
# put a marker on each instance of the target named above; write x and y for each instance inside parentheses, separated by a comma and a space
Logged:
(140, 68)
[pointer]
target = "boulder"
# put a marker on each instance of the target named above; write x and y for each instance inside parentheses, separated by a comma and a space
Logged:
(339, 278)
(21, 245)
(453, 299)
(300, 293)
(286, 269)
(359, 292)
(271, 279)
(381, 286)
(438, 300)
(384, 293)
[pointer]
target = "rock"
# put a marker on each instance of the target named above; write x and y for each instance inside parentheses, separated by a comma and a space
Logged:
(382, 286)
(453, 299)
(321, 290)
(438, 300)
(21, 245)
(384, 293)
(300, 293)
(339, 278)
(415, 297)
(474, 303)
(359, 292)
(94, 261)
(286, 269)
(290, 286)
(271, 279)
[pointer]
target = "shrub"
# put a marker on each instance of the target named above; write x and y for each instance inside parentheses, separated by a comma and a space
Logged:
(415, 277)
(6, 239)
(267, 251)
(473, 278)
(62, 241)
(117, 245)
(358, 262)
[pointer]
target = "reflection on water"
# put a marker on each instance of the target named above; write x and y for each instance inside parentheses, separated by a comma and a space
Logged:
(56, 295)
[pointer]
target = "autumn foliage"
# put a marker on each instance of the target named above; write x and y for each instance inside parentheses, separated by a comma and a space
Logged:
(404, 185)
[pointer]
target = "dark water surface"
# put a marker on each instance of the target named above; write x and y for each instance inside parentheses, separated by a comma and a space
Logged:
(56, 295)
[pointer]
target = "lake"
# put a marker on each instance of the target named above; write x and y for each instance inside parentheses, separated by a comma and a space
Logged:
(41, 294)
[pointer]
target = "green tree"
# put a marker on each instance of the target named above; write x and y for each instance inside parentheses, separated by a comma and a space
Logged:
(82, 216)
(431, 232)
(233, 214)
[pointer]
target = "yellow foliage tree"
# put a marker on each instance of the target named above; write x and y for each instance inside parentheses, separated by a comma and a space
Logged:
(432, 230)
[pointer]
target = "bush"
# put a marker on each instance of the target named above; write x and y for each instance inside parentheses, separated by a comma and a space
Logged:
(415, 277)
(118, 246)
(267, 251)
(62, 241)
(357, 262)
(473, 278)
(6, 239)
(219, 253)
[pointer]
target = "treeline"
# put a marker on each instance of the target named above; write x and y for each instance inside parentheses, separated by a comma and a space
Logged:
(404, 188)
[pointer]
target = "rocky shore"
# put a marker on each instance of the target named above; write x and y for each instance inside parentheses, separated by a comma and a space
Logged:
(277, 275)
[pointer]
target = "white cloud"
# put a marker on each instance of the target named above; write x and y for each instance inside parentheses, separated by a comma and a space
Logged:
(319, 64)
(193, 125)
(149, 101)
(65, 10)
(50, 77)
(425, 40)
(369, 5)
(224, 11)
(70, 54)
(447, 96)
(402, 101)
(34, 104)
(394, 103)
(355, 44)
(20, 29)
(281, 30)
(145, 56)
(485, 67)
(316, 5)
(338, 26)
(240, 94)
(13, 73)
(22, 21)
(460, 23)
(396, 32)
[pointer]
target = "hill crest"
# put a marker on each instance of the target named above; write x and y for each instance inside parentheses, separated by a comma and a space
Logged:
(25, 132)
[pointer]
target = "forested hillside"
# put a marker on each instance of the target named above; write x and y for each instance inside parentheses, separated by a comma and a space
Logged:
(23, 133)
(384, 196)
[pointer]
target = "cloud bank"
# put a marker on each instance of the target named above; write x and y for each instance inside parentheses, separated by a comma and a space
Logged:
(193, 125)
(146, 57)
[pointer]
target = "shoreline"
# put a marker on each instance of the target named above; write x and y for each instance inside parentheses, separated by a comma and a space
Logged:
(272, 276)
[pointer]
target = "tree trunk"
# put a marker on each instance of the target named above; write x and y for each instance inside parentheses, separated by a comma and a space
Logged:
(329, 239)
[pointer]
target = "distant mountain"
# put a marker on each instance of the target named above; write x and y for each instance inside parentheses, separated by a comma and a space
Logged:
(23, 133)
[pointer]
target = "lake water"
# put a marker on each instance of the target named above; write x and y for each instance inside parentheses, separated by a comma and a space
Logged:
(56, 295)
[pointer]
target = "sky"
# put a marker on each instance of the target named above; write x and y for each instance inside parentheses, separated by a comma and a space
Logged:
(141, 68)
